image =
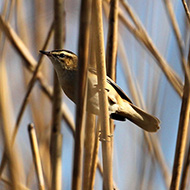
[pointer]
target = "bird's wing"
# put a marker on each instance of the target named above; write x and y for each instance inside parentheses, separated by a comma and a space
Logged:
(114, 85)
(118, 89)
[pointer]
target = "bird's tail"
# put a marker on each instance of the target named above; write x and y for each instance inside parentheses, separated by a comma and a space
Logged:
(139, 117)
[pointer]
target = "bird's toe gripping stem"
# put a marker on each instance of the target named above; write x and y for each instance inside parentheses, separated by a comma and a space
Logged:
(99, 89)
(105, 139)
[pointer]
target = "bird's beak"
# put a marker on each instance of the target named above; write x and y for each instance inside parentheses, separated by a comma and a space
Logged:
(45, 52)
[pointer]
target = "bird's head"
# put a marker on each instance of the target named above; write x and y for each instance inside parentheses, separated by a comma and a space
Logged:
(63, 59)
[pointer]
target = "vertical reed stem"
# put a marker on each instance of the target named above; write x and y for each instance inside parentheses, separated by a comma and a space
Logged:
(56, 136)
(83, 52)
(103, 104)
(184, 178)
(89, 148)
(182, 134)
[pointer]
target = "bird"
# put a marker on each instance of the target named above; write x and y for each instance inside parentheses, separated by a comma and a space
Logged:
(120, 107)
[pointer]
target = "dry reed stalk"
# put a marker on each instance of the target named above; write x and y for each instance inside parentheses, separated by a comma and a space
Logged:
(95, 162)
(156, 154)
(56, 136)
(39, 10)
(25, 101)
(18, 44)
(91, 137)
(137, 97)
(103, 103)
(159, 156)
(3, 51)
(184, 177)
(36, 156)
(89, 145)
(144, 161)
(30, 63)
(112, 42)
(8, 183)
(39, 7)
(111, 50)
(182, 134)
(4, 9)
(155, 151)
(129, 76)
(83, 55)
(7, 14)
(153, 143)
(156, 158)
(23, 31)
(142, 36)
(66, 115)
(10, 153)
(177, 33)
(95, 157)
(30, 87)
(186, 9)
(153, 91)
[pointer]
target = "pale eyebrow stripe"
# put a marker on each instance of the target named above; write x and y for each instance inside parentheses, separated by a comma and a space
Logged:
(64, 52)
(66, 55)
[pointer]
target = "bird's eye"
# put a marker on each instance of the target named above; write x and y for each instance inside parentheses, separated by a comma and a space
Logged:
(62, 55)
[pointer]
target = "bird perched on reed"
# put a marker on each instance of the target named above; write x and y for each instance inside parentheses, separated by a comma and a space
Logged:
(119, 105)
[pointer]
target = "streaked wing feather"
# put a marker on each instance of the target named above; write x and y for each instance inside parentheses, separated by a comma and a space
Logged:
(118, 89)
(114, 85)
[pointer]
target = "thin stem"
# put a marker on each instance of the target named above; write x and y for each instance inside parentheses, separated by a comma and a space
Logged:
(112, 42)
(182, 135)
(176, 30)
(18, 44)
(139, 101)
(184, 178)
(88, 153)
(95, 158)
(36, 156)
(111, 51)
(7, 182)
(103, 104)
(140, 33)
(25, 101)
(9, 152)
(56, 136)
(186, 10)
(83, 52)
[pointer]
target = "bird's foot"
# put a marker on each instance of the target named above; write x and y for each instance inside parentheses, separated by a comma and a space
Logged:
(99, 89)
(105, 139)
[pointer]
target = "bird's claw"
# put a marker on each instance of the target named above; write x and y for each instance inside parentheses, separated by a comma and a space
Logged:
(99, 89)
(105, 139)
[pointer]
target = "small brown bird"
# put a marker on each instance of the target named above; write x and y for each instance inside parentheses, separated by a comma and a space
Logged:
(119, 105)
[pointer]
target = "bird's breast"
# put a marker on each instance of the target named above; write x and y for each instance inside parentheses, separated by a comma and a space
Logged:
(68, 83)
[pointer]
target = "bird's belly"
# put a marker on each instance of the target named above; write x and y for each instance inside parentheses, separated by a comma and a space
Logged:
(92, 100)
(70, 92)
(69, 87)
(68, 84)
